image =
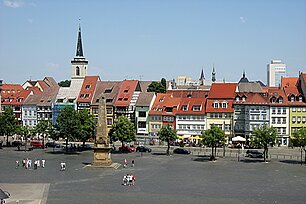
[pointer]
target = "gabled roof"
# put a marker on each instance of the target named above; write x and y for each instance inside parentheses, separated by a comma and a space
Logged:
(250, 87)
(164, 101)
(11, 88)
(88, 89)
(210, 106)
(110, 90)
(34, 89)
(289, 82)
(48, 97)
(253, 99)
(126, 92)
(15, 98)
(187, 106)
(145, 99)
(277, 93)
(222, 91)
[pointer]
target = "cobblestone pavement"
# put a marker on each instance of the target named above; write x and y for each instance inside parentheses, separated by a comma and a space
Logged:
(159, 179)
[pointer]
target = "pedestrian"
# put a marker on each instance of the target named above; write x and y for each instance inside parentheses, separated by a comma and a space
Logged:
(17, 164)
(43, 162)
(130, 179)
(125, 163)
(133, 180)
(24, 163)
(35, 164)
(30, 163)
(38, 163)
(124, 180)
(133, 163)
(63, 166)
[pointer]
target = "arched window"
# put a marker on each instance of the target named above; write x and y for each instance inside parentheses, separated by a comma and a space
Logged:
(77, 71)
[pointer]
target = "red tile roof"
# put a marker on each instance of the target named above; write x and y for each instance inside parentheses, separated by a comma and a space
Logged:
(188, 93)
(289, 82)
(164, 103)
(187, 106)
(210, 106)
(15, 98)
(126, 92)
(222, 91)
(88, 89)
(252, 99)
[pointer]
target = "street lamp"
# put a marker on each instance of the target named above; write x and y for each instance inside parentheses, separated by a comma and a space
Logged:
(1, 82)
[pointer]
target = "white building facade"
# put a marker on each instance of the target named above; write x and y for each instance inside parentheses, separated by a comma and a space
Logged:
(275, 71)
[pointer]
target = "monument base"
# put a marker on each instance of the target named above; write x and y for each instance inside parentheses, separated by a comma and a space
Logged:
(102, 156)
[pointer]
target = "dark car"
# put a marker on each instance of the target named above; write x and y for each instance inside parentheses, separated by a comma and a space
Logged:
(84, 147)
(52, 144)
(254, 154)
(181, 151)
(17, 143)
(143, 149)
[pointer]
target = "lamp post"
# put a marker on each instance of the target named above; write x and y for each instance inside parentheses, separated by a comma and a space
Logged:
(1, 82)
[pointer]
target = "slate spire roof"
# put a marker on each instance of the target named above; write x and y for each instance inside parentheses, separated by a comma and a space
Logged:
(79, 50)
(202, 77)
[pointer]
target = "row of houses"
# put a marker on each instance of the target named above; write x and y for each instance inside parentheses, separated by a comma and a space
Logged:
(237, 108)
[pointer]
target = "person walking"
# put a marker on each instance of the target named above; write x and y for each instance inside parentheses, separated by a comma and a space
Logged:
(125, 163)
(63, 166)
(17, 164)
(133, 163)
(43, 162)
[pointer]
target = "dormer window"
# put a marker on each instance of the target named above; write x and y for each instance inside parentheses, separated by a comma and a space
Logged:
(126, 90)
(292, 98)
(237, 98)
(216, 104)
(243, 98)
(161, 99)
(169, 109)
(86, 95)
(300, 99)
(82, 96)
(273, 100)
(196, 108)
(224, 104)
(280, 100)
(184, 108)
(125, 99)
(87, 86)
(120, 99)
(107, 91)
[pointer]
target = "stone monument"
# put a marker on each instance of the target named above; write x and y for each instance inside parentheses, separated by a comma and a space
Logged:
(102, 148)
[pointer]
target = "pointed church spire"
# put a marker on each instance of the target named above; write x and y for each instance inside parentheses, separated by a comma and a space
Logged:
(79, 51)
(243, 75)
(213, 74)
(202, 75)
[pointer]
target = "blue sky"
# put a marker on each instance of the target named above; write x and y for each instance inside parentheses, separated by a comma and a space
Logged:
(133, 39)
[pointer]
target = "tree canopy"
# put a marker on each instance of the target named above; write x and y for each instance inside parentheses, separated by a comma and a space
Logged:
(299, 140)
(122, 130)
(65, 83)
(8, 123)
(157, 87)
(263, 137)
(87, 127)
(212, 138)
(168, 134)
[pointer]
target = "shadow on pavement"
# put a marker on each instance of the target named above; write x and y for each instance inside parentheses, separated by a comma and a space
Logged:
(291, 161)
(251, 160)
(159, 153)
(201, 158)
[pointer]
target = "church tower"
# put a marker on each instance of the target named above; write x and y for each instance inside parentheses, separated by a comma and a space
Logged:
(202, 78)
(79, 63)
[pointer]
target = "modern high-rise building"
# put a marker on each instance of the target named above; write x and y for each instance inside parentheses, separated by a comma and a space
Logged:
(275, 71)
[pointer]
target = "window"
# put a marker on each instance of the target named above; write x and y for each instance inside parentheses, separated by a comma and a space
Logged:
(216, 104)
(279, 110)
(109, 121)
(300, 98)
(196, 108)
(60, 100)
(284, 120)
(71, 100)
(280, 100)
(169, 109)
(292, 98)
(77, 71)
(283, 131)
(95, 110)
(278, 120)
(293, 109)
(293, 119)
(120, 99)
(273, 100)
(284, 110)
(126, 90)
(224, 104)
(298, 109)
(141, 124)
(237, 98)
(304, 109)
(243, 98)
(227, 127)
(303, 119)
(87, 86)
(107, 91)
(273, 120)
(298, 119)
(273, 111)
(142, 114)
(109, 111)
(184, 107)
(86, 95)
(125, 99)
(109, 100)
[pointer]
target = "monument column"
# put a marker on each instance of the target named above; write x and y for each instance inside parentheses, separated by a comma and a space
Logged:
(102, 149)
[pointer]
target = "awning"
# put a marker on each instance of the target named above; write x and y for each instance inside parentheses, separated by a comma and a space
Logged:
(238, 139)
(182, 136)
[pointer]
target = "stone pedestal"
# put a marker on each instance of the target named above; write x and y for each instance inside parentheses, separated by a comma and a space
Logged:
(102, 156)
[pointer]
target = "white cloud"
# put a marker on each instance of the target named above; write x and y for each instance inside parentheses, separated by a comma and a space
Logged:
(243, 19)
(13, 3)
(52, 66)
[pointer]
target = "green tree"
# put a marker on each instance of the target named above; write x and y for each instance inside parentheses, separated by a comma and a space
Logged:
(65, 83)
(163, 82)
(87, 127)
(299, 140)
(26, 131)
(68, 124)
(156, 87)
(8, 124)
(122, 130)
(168, 134)
(213, 137)
(263, 137)
(43, 128)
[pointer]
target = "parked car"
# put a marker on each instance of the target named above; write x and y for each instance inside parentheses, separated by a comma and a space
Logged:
(143, 149)
(17, 143)
(52, 144)
(126, 148)
(84, 147)
(254, 154)
(181, 151)
(36, 143)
